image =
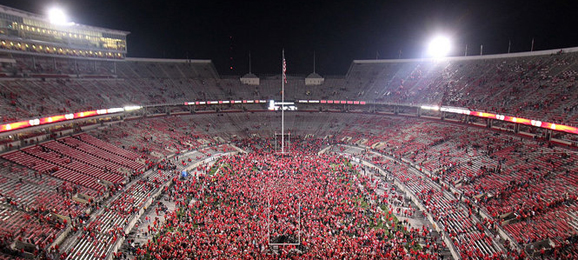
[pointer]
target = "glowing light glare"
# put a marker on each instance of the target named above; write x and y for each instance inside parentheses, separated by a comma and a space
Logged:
(57, 16)
(115, 110)
(130, 108)
(457, 110)
(436, 108)
(439, 47)
(34, 121)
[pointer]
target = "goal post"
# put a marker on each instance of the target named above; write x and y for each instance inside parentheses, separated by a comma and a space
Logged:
(282, 143)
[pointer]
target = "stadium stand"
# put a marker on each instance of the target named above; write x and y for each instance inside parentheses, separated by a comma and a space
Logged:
(506, 85)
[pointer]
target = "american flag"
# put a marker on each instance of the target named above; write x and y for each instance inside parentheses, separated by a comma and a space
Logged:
(284, 69)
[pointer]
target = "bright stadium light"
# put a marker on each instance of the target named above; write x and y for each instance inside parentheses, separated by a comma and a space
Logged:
(439, 46)
(57, 16)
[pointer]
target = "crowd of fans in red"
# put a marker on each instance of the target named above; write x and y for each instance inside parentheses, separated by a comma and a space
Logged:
(312, 203)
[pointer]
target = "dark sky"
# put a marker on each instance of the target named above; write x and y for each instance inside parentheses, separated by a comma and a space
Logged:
(337, 31)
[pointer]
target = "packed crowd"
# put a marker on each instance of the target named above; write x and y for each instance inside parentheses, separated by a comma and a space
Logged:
(264, 205)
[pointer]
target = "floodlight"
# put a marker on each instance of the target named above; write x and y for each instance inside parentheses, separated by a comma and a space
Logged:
(439, 46)
(57, 16)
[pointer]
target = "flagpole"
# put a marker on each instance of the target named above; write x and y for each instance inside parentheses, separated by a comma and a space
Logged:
(283, 67)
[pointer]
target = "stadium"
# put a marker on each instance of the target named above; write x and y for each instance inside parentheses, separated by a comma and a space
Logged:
(106, 156)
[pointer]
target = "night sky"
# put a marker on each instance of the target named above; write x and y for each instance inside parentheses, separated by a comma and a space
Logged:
(337, 31)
